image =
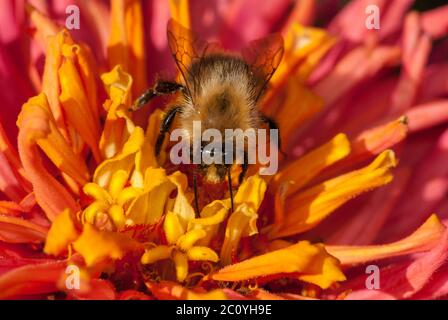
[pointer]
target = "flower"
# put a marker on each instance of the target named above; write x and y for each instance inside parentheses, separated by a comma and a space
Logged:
(363, 175)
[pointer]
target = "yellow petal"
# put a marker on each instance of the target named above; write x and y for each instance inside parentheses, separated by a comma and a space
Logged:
(423, 239)
(61, 234)
(243, 222)
(116, 213)
(181, 265)
(93, 209)
(95, 245)
(251, 192)
(172, 227)
(117, 183)
(308, 208)
(156, 254)
(128, 194)
(202, 254)
(150, 205)
(186, 241)
(122, 161)
(301, 171)
(182, 206)
(212, 215)
(303, 260)
(96, 192)
(146, 158)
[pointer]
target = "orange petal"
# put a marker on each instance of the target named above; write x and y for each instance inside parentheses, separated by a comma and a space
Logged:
(75, 101)
(180, 11)
(36, 126)
(18, 230)
(303, 260)
(62, 233)
(300, 43)
(126, 42)
(310, 207)
(13, 158)
(423, 239)
(50, 80)
(372, 142)
(294, 107)
(301, 171)
(95, 245)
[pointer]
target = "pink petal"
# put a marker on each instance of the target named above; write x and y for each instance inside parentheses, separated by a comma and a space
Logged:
(427, 115)
(435, 22)
(402, 280)
(427, 188)
(365, 225)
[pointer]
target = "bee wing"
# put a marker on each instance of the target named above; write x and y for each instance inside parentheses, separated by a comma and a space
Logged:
(186, 47)
(263, 56)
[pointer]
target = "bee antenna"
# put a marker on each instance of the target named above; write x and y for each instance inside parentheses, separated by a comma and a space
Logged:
(229, 178)
(195, 188)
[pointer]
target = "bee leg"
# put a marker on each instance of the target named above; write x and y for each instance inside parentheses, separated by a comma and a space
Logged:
(229, 179)
(196, 200)
(165, 127)
(244, 167)
(273, 125)
(159, 89)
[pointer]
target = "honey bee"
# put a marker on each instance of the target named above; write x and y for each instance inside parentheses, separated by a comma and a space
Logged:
(219, 89)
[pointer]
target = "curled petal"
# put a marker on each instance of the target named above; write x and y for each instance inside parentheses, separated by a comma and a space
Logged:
(303, 260)
(75, 101)
(122, 161)
(149, 206)
(118, 125)
(37, 127)
(251, 192)
(242, 223)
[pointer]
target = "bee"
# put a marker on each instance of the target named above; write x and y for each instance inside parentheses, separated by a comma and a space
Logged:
(219, 89)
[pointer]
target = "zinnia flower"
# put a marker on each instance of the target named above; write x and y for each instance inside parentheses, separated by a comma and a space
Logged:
(362, 116)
